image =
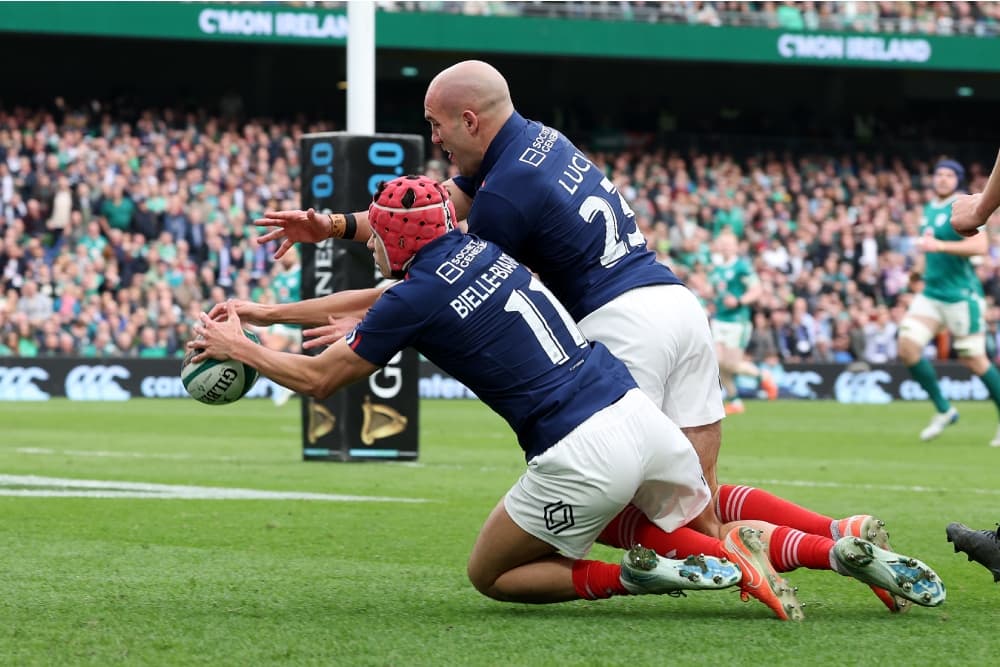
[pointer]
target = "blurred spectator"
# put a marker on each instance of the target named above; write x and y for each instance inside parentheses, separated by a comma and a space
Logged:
(62, 209)
(34, 305)
(763, 342)
(880, 338)
(789, 16)
(113, 239)
(941, 18)
(117, 210)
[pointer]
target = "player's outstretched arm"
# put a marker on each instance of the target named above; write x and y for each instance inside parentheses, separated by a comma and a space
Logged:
(250, 312)
(311, 312)
(970, 212)
(309, 226)
(317, 376)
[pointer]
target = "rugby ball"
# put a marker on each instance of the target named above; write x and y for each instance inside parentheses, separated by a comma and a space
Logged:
(215, 382)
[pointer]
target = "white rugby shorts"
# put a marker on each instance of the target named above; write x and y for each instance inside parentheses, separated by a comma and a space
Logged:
(629, 452)
(662, 334)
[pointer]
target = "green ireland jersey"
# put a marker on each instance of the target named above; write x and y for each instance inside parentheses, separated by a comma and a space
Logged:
(947, 278)
(735, 278)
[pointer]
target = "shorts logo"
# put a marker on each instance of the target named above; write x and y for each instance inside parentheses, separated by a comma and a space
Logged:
(558, 517)
(449, 273)
(532, 157)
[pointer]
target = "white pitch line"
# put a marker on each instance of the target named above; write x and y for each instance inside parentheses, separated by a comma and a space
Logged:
(98, 453)
(487, 469)
(180, 456)
(56, 487)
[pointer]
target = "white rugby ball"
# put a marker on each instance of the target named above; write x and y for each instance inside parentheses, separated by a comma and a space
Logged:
(215, 382)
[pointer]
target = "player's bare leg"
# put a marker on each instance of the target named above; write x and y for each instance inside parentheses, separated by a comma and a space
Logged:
(707, 441)
(915, 331)
(510, 565)
(708, 523)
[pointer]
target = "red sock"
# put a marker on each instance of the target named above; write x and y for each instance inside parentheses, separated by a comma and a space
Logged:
(594, 580)
(791, 549)
(631, 527)
(740, 503)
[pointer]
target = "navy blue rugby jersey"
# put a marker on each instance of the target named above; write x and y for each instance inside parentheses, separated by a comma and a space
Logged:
(483, 318)
(544, 203)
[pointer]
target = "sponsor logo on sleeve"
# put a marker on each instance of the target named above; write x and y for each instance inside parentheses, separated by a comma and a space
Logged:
(532, 157)
(449, 273)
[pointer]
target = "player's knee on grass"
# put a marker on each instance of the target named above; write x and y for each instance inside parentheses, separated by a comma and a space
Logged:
(483, 574)
(487, 583)
(482, 581)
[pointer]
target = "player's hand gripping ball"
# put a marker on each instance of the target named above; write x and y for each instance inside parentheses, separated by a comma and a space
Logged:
(217, 382)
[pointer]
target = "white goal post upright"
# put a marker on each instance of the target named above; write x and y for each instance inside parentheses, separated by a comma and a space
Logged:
(361, 67)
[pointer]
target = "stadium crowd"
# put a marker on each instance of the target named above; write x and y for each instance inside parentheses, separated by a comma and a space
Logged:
(978, 18)
(833, 240)
(114, 235)
(922, 17)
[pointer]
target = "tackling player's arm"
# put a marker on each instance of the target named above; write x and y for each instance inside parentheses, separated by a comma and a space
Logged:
(291, 227)
(320, 376)
(970, 212)
(310, 312)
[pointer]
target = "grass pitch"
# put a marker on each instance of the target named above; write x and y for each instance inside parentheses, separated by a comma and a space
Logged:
(174, 581)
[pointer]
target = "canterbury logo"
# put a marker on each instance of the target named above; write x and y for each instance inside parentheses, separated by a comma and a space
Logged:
(97, 383)
(17, 383)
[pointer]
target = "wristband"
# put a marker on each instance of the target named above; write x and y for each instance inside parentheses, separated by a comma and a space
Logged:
(351, 226)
